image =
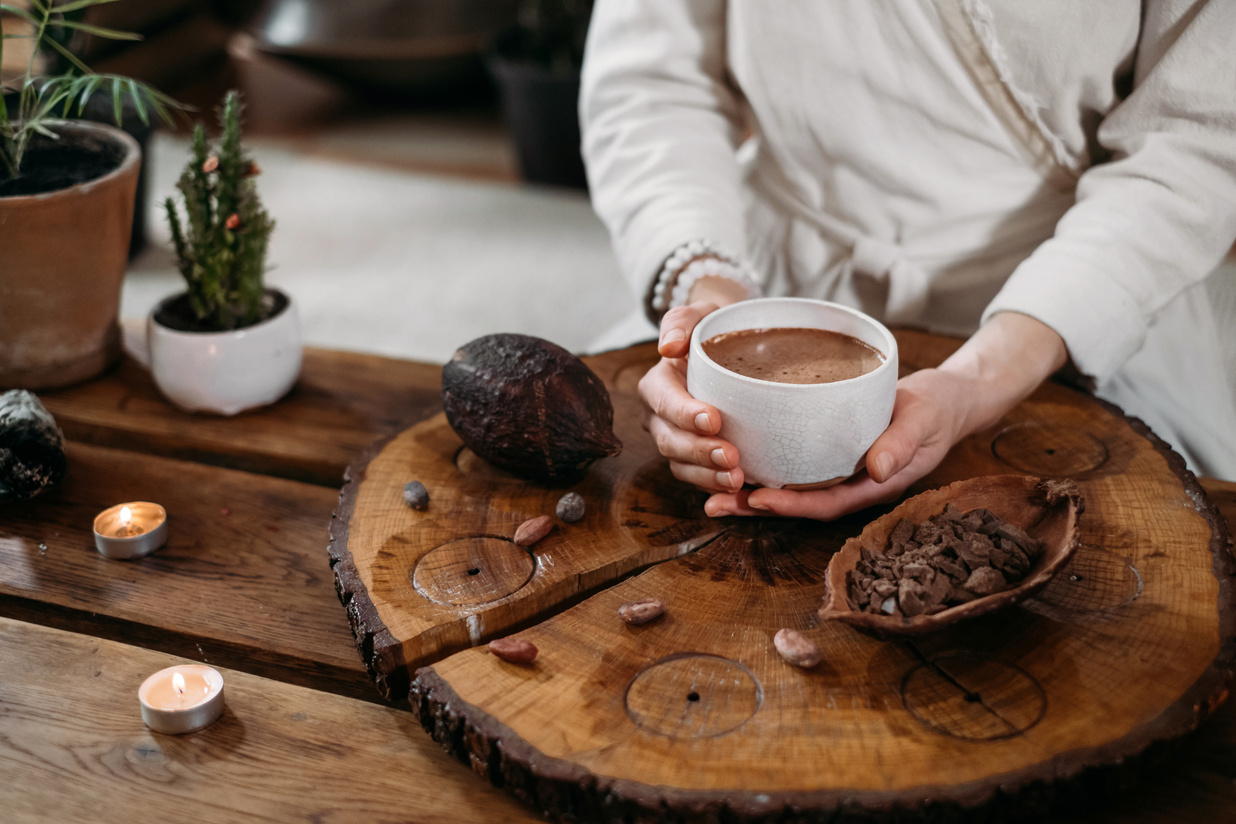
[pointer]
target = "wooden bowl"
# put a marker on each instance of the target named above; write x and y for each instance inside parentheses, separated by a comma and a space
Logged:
(1047, 510)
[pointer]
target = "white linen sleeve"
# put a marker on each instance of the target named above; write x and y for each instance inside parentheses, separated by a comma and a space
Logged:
(661, 124)
(1160, 215)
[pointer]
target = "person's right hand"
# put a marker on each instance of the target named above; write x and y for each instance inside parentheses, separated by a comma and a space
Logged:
(685, 430)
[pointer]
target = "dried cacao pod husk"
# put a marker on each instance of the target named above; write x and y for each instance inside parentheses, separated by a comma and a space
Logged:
(529, 407)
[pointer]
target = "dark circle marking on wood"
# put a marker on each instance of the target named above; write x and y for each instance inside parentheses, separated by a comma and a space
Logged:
(470, 571)
(693, 695)
(1051, 450)
(1094, 580)
(973, 697)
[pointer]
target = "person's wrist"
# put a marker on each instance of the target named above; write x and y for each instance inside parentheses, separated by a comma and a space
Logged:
(686, 265)
(1005, 360)
(717, 289)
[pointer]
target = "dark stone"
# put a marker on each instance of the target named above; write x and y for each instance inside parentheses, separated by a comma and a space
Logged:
(571, 507)
(416, 495)
(32, 457)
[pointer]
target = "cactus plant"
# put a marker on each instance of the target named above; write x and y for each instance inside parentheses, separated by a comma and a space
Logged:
(221, 248)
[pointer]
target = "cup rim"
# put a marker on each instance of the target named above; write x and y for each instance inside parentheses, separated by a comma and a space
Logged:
(696, 348)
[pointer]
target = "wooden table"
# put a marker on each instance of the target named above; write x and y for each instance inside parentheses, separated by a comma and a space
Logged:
(244, 584)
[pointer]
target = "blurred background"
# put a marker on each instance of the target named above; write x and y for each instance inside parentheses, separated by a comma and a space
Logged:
(420, 159)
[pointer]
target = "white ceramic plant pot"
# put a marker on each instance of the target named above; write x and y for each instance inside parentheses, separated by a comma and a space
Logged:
(226, 372)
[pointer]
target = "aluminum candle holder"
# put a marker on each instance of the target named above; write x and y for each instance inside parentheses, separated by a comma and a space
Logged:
(182, 699)
(130, 530)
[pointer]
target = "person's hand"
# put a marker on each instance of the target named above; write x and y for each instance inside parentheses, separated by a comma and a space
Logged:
(935, 408)
(685, 430)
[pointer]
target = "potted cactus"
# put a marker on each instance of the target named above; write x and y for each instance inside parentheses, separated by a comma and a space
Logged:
(67, 193)
(227, 343)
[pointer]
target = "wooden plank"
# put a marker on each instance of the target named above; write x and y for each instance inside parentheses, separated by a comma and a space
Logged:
(244, 579)
(73, 748)
(342, 402)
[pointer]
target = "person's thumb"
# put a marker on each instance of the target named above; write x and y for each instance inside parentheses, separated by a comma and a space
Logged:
(896, 447)
(676, 328)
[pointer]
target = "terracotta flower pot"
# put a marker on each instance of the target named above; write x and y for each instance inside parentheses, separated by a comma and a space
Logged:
(63, 261)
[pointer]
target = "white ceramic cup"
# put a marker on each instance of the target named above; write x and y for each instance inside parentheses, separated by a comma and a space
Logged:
(802, 436)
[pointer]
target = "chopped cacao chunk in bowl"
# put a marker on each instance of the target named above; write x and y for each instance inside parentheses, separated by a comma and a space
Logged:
(954, 553)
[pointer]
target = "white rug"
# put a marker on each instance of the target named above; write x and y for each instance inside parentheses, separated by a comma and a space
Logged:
(409, 265)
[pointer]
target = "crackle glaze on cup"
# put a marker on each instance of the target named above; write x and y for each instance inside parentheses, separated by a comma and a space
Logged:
(796, 435)
(226, 372)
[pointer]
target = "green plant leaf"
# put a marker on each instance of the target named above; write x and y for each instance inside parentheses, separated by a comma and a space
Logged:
(98, 31)
(135, 93)
(117, 99)
(88, 87)
(18, 12)
(68, 55)
(78, 4)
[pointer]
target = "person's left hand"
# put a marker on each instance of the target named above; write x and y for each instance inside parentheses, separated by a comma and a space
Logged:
(926, 422)
(995, 370)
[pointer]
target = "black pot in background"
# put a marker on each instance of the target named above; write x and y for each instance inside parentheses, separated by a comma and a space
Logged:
(541, 109)
(99, 110)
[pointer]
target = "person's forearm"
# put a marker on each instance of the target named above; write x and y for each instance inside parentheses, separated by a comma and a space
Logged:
(1010, 355)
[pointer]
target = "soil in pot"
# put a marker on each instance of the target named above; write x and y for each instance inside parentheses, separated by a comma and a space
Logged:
(49, 166)
(177, 313)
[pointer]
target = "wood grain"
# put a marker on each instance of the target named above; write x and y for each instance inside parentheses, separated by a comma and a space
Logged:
(695, 714)
(341, 403)
(422, 584)
(243, 580)
(73, 748)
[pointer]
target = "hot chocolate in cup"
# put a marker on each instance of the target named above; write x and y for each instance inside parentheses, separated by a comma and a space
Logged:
(797, 435)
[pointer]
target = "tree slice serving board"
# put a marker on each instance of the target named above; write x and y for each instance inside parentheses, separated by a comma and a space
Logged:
(695, 717)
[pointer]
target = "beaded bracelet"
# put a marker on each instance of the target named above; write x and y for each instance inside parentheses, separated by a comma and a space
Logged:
(688, 263)
(707, 267)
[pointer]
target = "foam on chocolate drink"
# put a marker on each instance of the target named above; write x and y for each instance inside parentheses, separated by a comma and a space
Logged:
(793, 354)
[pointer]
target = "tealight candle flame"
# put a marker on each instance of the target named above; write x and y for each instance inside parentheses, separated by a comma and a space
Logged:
(127, 528)
(178, 683)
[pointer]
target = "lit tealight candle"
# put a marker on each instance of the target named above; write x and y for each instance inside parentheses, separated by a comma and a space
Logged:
(130, 530)
(182, 699)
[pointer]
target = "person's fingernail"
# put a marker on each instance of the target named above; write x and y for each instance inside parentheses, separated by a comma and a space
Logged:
(672, 336)
(724, 479)
(718, 457)
(885, 464)
(702, 423)
(720, 513)
(760, 507)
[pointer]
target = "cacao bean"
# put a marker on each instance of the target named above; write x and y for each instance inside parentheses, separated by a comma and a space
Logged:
(533, 530)
(796, 648)
(416, 495)
(641, 612)
(571, 507)
(514, 650)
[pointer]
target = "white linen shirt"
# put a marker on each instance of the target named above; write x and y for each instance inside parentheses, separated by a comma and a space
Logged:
(933, 163)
